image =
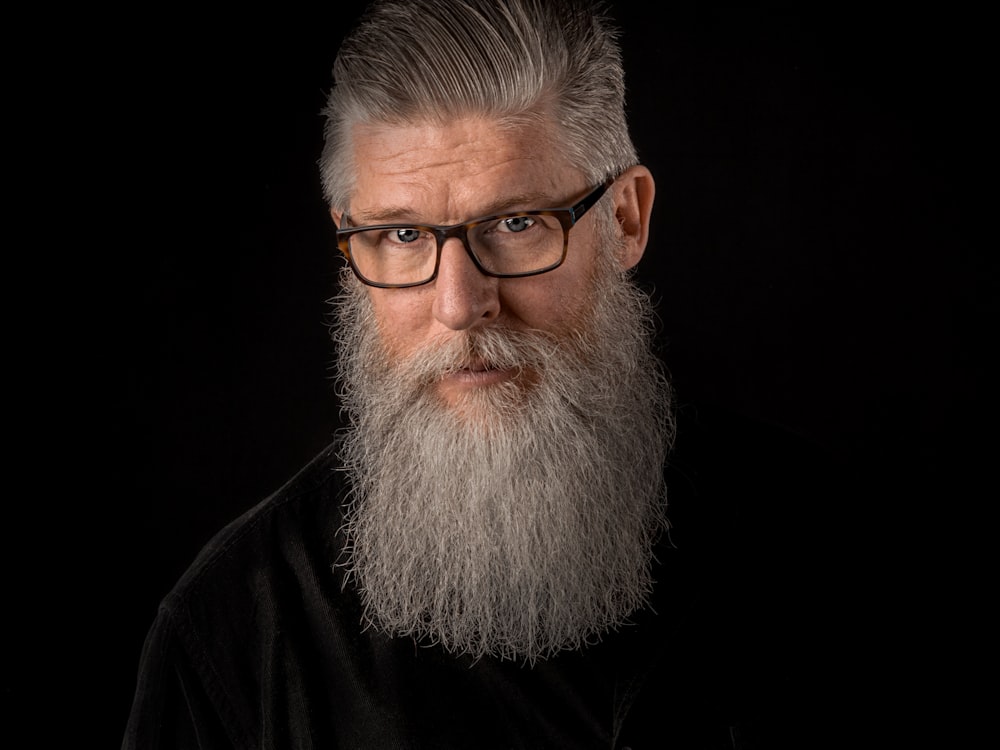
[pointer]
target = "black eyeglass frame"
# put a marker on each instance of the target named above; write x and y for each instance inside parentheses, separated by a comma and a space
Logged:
(567, 217)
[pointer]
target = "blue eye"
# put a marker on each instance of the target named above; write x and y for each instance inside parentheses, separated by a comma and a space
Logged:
(516, 223)
(406, 235)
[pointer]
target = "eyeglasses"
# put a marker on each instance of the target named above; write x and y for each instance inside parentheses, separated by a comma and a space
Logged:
(523, 243)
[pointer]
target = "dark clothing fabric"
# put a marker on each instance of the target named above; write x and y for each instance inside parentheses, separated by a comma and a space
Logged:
(260, 644)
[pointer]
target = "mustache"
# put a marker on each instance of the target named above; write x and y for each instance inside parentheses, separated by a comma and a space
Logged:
(491, 348)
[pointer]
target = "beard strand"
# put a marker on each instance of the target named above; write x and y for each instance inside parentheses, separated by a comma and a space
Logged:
(521, 524)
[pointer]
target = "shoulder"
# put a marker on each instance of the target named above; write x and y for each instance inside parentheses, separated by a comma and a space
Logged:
(287, 535)
(260, 584)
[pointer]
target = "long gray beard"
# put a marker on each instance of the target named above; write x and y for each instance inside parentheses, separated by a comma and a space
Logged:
(523, 525)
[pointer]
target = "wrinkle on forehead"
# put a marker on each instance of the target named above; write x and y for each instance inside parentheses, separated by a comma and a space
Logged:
(457, 171)
(471, 142)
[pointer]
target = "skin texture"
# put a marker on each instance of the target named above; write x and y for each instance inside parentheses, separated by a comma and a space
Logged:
(467, 168)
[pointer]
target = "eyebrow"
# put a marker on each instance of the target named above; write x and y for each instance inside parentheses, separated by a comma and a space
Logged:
(397, 214)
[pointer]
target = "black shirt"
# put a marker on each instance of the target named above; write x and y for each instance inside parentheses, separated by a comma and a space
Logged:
(261, 644)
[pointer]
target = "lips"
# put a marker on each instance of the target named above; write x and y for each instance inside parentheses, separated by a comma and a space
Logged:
(473, 365)
(478, 373)
(478, 365)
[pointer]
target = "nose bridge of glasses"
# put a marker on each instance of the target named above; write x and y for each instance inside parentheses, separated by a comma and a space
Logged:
(461, 233)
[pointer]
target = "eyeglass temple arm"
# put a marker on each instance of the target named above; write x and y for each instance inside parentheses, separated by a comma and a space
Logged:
(588, 201)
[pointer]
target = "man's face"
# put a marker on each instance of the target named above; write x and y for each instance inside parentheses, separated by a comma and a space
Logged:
(506, 436)
(447, 174)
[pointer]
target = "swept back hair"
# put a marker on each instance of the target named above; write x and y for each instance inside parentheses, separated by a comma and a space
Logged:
(553, 62)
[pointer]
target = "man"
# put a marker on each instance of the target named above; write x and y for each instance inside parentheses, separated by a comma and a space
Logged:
(481, 560)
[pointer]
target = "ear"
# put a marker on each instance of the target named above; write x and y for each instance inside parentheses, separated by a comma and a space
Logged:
(634, 191)
(336, 216)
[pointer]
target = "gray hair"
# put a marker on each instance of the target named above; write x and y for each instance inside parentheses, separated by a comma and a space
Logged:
(554, 62)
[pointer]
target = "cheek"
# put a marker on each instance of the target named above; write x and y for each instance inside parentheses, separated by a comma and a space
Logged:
(543, 312)
(400, 316)
(551, 302)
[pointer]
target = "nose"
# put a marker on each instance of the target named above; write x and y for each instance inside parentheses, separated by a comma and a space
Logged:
(464, 297)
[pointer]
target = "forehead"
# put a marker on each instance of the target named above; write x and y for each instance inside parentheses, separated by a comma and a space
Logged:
(454, 171)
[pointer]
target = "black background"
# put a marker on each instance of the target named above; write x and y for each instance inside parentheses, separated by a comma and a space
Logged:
(810, 253)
